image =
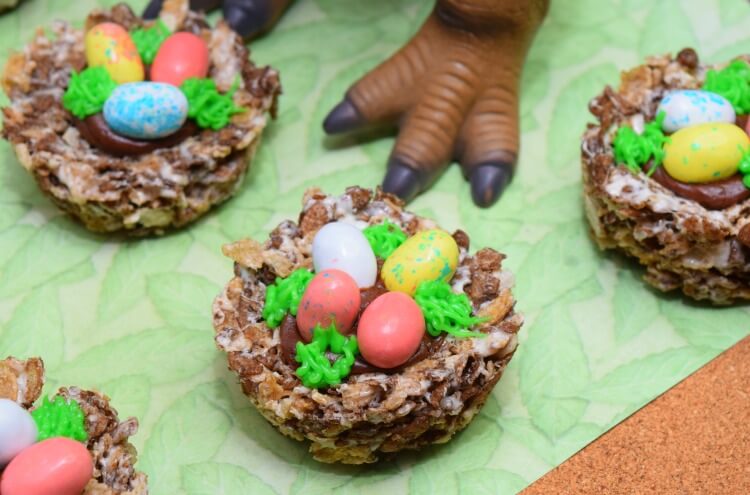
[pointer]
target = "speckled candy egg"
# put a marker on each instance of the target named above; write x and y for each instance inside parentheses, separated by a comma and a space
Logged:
(109, 45)
(390, 330)
(688, 107)
(343, 247)
(332, 296)
(181, 56)
(145, 110)
(58, 466)
(17, 430)
(427, 255)
(705, 152)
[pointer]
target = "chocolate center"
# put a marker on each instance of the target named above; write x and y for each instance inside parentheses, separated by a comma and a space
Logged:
(712, 195)
(95, 130)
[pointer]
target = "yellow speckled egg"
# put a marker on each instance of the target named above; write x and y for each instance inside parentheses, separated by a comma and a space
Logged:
(705, 152)
(427, 255)
(109, 45)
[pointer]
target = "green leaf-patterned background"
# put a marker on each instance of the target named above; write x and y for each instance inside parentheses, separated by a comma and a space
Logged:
(132, 318)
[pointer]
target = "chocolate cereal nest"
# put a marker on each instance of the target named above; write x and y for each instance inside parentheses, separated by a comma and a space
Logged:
(113, 455)
(683, 245)
(141, 194)
(374, 413)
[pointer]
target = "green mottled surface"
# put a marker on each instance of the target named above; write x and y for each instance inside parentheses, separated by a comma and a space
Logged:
(133, 318)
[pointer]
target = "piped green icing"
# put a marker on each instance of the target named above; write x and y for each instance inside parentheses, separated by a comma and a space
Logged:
(384, 238)
(315, 369)
(60, 418)
(208, 107)
(446, 311)
(87, 91)
(148, 40)
(635, 150)
(744, 168)
(283, 296)
(733, 83)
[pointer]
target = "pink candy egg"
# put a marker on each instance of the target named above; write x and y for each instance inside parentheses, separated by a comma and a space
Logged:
(332, 296)
(390, 330)
(58, 466)
(181, 56)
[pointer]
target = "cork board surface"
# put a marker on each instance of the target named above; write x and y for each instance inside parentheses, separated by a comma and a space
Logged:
(693, 439)
(133, 318)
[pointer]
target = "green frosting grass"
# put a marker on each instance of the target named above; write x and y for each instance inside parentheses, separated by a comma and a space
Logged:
(87, 91)
(315, 369)
(635, 150)
(208, 107)
(283, 296)
(384, 238)
(744, 168)
(733, 83)
(60, 418)
(148, 40)
(446, 311)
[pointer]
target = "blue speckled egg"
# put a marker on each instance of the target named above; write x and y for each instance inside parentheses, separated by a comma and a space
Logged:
(688, 107)
(145, 110)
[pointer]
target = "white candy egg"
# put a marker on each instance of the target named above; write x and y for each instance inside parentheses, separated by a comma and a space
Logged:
(17, 430)
(344, 247)
(690, 107)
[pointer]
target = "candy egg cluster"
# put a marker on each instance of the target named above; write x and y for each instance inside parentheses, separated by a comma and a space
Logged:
(137, 81)
(52, 466)
(698, 137)
(350, 305)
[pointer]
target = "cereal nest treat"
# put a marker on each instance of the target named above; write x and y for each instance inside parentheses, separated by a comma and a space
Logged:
(665, 174)
(364, 328)
(133, 125)
(73, 418)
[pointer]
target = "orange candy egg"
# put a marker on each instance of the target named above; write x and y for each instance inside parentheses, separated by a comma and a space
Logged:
(390, 330)
(109, 45)
(331, 297)
(181, 56)
(58, 466)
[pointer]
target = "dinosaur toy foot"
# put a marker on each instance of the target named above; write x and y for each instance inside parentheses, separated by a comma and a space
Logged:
(453, 92)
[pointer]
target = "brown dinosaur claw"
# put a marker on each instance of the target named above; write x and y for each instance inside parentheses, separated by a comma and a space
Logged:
(488, 182)
(453, 92)
(402, 180)
(343, 118)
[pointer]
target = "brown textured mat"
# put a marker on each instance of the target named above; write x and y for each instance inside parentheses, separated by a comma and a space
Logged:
(693, 439)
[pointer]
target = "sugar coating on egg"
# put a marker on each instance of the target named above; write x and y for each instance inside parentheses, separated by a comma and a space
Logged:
(344, 247)
(426, 256)
(332, 296)
(705, 152)
(146, 110)
(57, 466)
(182, 56)
(390, 330)
(688, 107)
(110, 45)
(17, 430)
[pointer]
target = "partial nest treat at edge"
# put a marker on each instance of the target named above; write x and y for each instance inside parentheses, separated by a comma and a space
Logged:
(373, 414)
(114, 457)
(141, 194)
(682, 244)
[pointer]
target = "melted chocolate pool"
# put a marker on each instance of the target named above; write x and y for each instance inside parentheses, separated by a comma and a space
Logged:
(95, 130)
